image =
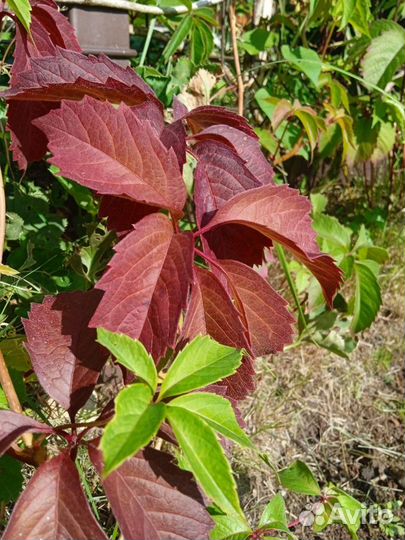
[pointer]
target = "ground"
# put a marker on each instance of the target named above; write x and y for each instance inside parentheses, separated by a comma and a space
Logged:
(343, 417)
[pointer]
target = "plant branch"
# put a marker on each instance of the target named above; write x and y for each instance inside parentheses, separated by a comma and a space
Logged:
(241, 88)
(2, 217)
(5, 379)
(147, 41)
(302, 323)
(141, 8)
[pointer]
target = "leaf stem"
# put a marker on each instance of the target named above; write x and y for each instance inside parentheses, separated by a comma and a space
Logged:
(302, 323)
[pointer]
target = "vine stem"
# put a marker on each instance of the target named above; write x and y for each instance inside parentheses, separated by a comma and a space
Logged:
(302, 323)
(147, 41)
(5, 379)
(241, 88)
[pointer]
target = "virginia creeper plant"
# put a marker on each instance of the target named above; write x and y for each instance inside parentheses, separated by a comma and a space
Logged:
(180, 309)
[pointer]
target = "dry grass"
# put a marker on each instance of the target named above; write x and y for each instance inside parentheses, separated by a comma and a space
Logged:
(344, 418)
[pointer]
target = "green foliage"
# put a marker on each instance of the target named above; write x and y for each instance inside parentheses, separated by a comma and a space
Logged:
(136, 422)
(22, 9)
(216, 411)
(384, 57)
(206, 459)
(202, 362)
(11, 479)
(299, 479)
(357, 305)
(131, 354)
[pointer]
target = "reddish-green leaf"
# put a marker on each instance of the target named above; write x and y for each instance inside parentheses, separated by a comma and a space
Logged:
(53, 506)
(147, 284)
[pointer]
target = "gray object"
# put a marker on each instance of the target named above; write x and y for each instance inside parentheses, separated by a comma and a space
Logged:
(103, 30)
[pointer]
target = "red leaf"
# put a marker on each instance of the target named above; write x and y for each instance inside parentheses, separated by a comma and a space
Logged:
(111, 151)
(65, 356)
(264, 311)
(28, 143)
(12, 425)
(207, 115)
(53, 506)
(220, 175)
(147, 283)
(48, 29)
(246, 147)
(71, 75)
(283, 215)
(153, 499)
(211, 311)
(174, 136)
(123, 213)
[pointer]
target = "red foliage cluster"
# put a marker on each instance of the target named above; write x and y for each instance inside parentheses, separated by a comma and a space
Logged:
(181, 258)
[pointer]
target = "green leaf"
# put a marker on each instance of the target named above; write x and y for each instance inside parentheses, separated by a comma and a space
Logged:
(337, 236)
(230, 528)
(319, 203)
(131, 353)
(15, 354)
(22, 8)
(11, 479)
(257, 40)
(216, 411)
(206, 459)
(305, 60)
(361, 17)
(309, 121)
(348, 9)
(135, 423)
(299, 479)
(384, 57)
(200, 363)
(179, 35)
(274, 511)
(374, 253)
(202, 42)
(367, 300)
(83, 196)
